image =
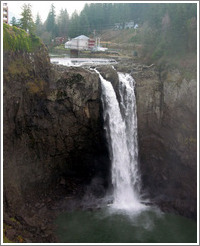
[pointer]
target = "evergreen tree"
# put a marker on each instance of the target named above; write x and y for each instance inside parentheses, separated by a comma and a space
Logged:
(39, 26)
(26, 22)
(107, 8)
(46, 37)
(98, 16)
(63, 23)
(51, 22)
(38, 20)
(74, 25)
(14, 22)
(84, 24)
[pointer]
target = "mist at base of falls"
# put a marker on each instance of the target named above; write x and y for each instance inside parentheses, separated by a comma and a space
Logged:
(107, 226)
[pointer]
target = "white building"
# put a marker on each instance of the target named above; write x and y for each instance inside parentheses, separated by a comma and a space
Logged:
(136, 26)
(124, 25)
(129, 25)
(78, 43)
(118, 26)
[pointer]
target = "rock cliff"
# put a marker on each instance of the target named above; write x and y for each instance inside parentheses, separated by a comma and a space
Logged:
(167, 135)
(52, 127)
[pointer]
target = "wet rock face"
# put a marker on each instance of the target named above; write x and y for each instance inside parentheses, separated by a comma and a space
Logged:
(110, 74)
(75, 101)
(166, 109)
(52, 127)
(166, 106)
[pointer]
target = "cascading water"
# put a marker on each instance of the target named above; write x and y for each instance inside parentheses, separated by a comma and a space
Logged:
(121, 130)
(129, 114)
(132, 222)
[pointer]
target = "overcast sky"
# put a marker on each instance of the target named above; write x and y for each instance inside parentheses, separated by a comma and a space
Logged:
(43, 7)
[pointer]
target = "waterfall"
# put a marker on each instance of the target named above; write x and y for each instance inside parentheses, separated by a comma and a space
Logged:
(129, 114)
(120, 123)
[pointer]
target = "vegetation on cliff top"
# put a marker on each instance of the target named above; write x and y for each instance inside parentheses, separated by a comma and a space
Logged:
(16, 39)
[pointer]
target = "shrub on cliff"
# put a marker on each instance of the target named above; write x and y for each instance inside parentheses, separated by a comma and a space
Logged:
(16, 39)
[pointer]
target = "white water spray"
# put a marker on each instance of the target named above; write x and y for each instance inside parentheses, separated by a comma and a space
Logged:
(121, 130)
(129, 114)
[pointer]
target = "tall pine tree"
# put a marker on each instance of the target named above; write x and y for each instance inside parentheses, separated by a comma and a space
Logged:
(26, 22)
(39, 25)
(51, 22)
(63, 23)
(14, 22)
(74, 25)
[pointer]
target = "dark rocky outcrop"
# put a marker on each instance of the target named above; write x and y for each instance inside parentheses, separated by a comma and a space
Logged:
(167, 138)
(109, 73)
(52, 129)
(53, 141)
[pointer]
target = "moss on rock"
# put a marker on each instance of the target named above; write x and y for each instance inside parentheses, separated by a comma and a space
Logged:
(36, 87)
(16, 39)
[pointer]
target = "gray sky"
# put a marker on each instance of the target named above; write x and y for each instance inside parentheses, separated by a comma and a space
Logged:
(43, 7)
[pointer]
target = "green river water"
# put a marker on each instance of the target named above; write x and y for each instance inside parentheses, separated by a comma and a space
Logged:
(107, 226)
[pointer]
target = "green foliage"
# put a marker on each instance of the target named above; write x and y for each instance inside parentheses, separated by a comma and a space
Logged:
(46, 37)
(86, 26)
(74, 28)
(17, 67)
(63, 23)
(18, 239)
(60, 47)
(5, 239)
(36, 86)
(16, 39)
(51, 26)
(135, 38)
(35, 41)
(26, 22)
(157, 54)
(39, 28)
(170, 30)
(14, 22)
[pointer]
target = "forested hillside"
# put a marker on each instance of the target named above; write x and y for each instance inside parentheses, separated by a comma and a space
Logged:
(164, 28)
